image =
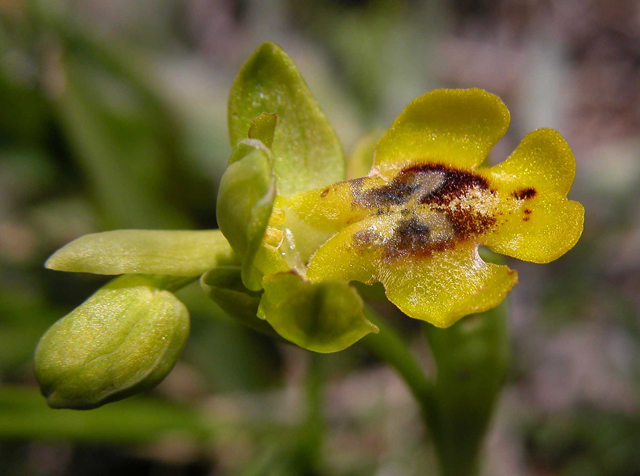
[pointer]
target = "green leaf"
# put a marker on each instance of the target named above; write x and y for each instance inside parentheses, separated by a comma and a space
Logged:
(245, 201)
(24, 317)
(322, 317)
(307, 152)
(124, 339)
(472, 358)
(176, 253)
(224, 286)
(122, 155)
(25, 415)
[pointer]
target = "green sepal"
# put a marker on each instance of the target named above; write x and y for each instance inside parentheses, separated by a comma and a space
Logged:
(263, 128)
(122, 340)
(176, 253)
(306, 150)
(245, 201)
(321, 317)
(224, 286)
(471, 358)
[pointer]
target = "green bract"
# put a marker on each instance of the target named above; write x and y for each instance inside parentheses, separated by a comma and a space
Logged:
(224, 286)
(122, 340)
(283, 144)
(306, 150)
(323, 317)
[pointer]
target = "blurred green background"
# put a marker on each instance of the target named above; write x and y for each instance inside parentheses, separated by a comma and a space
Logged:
(113, 115)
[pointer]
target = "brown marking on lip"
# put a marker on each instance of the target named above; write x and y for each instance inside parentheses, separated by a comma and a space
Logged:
(449, 193)
(525, 193)
(467, 223)
(410, 237)
(456, 184)
(526, 219)
(527, 211)
(364, 238)
(413, 238)
(397, 192)
(325, 192)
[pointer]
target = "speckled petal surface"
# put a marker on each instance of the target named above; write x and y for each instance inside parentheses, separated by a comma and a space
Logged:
(539, 229)
(439, 287)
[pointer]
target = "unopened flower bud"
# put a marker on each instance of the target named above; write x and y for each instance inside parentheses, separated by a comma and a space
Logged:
(124, 339)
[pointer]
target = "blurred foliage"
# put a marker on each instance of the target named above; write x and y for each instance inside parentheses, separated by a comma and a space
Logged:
(114, 116)
(587, 442)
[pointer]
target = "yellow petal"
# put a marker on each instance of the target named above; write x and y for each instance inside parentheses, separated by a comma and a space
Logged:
(438, 286)
(538, 228)
(325, 209)
(448, 286)
(543, 161)
(455, 127)
(352, 254)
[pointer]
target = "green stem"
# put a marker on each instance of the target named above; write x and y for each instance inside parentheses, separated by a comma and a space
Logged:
(390, 347)
(314, 397)
(471, 358)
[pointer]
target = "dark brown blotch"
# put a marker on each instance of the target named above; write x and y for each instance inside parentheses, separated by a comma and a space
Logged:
(411, 236)
(396, 192)
(525, 193)
(467, 223)
(325, 192)
(456, 184)
(364, 238)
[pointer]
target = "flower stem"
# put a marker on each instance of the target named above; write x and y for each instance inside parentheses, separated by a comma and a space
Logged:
(471, 359)
(314, 398)
(390, 347)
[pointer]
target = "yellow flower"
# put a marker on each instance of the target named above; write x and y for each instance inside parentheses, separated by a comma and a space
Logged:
(416, 221)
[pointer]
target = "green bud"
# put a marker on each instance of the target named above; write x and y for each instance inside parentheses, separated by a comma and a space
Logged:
(122, 340)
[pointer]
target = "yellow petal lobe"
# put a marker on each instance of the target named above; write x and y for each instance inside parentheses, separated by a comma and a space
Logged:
(453, 127)
(543, 161)
(537, 228)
